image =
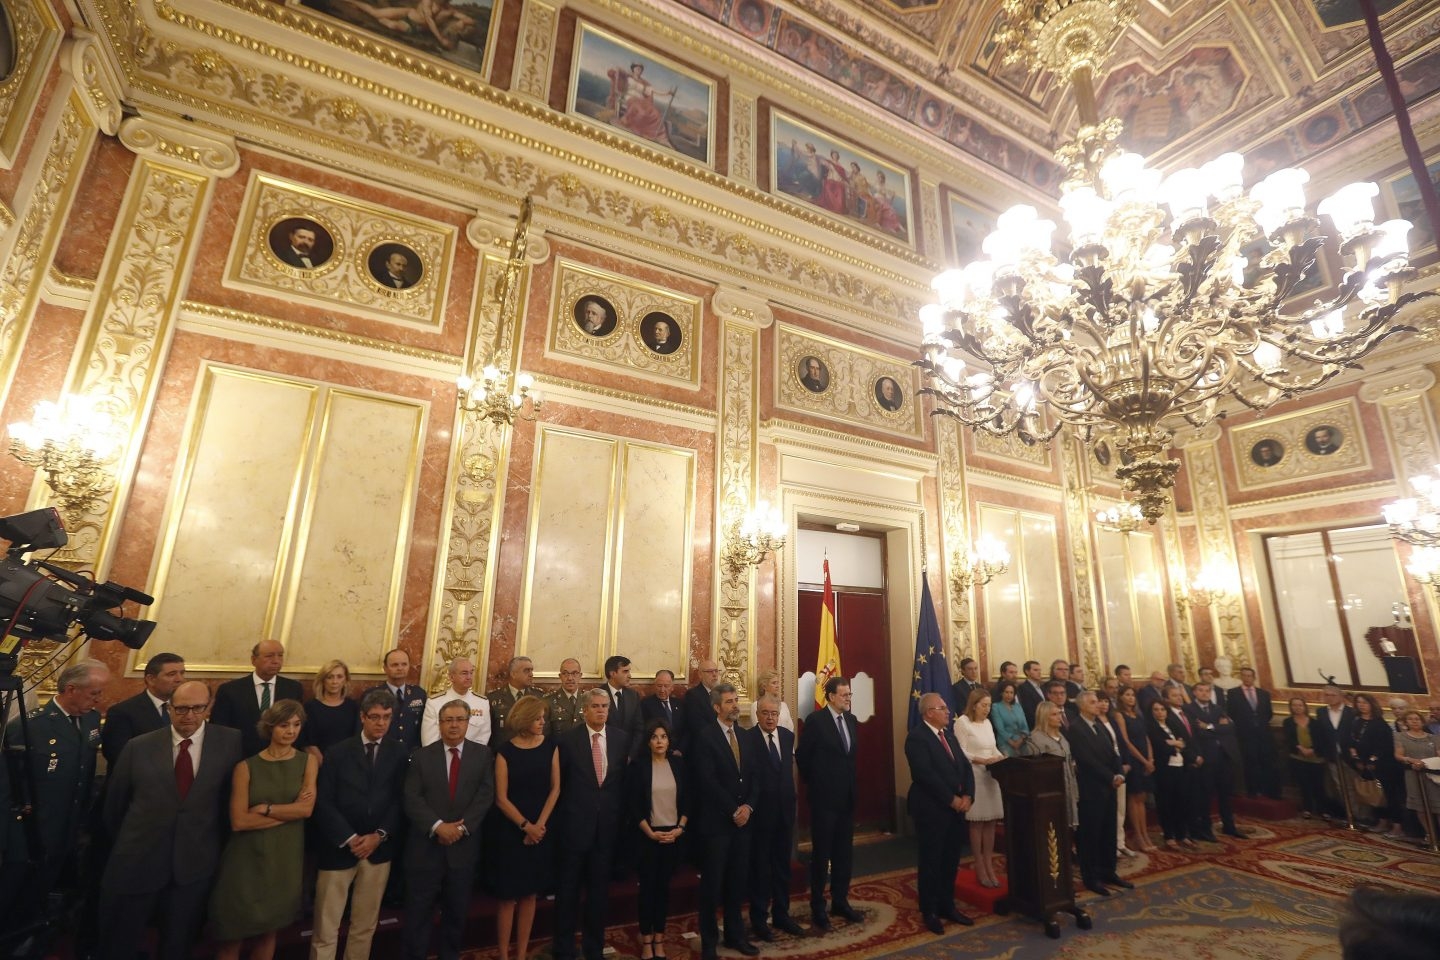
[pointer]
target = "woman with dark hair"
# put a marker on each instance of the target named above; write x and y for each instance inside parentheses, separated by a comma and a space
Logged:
(527, 787)
(1381, 923)
(1307, 745)
(656, 802)
(1008, 719)
(1173, 759)
(1414, 746)
(1369, 748)
(257, 890)
(1140, 780)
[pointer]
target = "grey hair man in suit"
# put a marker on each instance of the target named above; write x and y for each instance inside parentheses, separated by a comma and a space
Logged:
(448, 790)
(165, 807)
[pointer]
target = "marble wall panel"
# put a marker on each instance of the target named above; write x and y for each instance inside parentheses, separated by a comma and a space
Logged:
(652, 588)
(350, 573)
(96, 208)
(1024, 606)
(39, 374)
(232, 512)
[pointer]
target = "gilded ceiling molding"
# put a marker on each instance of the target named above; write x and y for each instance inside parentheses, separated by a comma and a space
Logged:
(1216, 535)
(1409, 420)
(735, 486)
(581, 394)
(182, 145)
(733, 305)
(537, 44)
(1014, 483)
(1082, 579)
(493, 227)
(35, 37)
(95, 78)
(955, 540)
(806, 436)
(1320, 500)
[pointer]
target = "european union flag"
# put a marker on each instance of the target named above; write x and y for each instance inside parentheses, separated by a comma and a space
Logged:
(931, 672)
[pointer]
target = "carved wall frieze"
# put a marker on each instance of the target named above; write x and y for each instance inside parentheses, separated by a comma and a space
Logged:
(1316, 442)
(1217, 546)
(1082, 578)
(1010, 447)
(181, 145)
(95, 80)
(538, 21)
(742, 137)
(1175, 574)
(734, 645)
(35, 37)
(955, 526)
(833, 379)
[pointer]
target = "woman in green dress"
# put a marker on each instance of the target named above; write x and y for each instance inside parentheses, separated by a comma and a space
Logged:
(271, 795)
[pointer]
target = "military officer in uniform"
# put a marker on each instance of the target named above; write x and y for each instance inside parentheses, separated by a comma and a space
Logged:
(565, 705)
(409, 703)
(63, 740)
(518, 684)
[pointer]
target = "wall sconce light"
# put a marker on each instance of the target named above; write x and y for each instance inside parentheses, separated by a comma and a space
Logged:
(988, 560)
(758, 533)
(1424, 566)
(1215, 583)
(1124, 518)
(71, 443)
(491, 398)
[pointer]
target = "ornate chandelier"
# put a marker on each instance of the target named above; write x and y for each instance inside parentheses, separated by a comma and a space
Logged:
(1154, 320)
(1416, 520)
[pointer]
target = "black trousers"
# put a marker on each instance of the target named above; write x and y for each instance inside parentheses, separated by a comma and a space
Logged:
(723, 877)
(1217, 777)
(1171, 801)
(1095, 841)
(586, 871)
(1310, 779)
(769, 870)
(1257, 754)
(123, 917)
(655, 863)
(939, 842)
(429, 880)
(832, 843)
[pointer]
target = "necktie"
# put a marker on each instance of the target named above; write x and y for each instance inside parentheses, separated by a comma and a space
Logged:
(946, 744)
(75, 722)
(615, 704)
(1250, 695)
(667, 707)
(165, 712)
(184, 769)
(597, 756)
(454, 770)
(370, 752)
(844, 734)
(734, 746)
(774, 750)
(265, 696)
(1185, 721)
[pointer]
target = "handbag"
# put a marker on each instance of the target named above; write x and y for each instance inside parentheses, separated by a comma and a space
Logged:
(1369, 792)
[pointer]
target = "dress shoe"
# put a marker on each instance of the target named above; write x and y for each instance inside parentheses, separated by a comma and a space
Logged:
(761, 932)
(819, 923)
(1237, 834)
(955, 916)
(1097, 889)
(789, 926)
(1209, 837)
(933, 924)
(743, 946)
(1115, 881)
(707, 952)
(846, 911)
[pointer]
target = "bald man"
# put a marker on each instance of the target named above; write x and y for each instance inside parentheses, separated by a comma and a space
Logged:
(696, 705)
(239, 703)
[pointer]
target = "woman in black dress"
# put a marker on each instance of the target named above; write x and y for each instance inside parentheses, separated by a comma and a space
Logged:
(1139, 781)
(527, 785)
(1173, 757)
(1369, 748)
(656, 801)
(331, 716)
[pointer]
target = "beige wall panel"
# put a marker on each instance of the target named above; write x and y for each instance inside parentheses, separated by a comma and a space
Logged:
(242, 472)
(346, 602)
(799, 471)
(1149, 604)
(1006, 630)
(652, 598)
(1024, 605)
(1121, 643)
(563, 610)
(1041, 587)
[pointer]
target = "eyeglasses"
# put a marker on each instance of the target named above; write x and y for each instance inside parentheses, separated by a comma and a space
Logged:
(184, 711)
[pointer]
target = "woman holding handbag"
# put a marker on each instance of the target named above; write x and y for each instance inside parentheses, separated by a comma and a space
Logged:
(1369, 748)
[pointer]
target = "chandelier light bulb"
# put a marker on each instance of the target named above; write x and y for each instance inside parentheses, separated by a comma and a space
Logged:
(1269, 357)
(1351, 208)
(932, 319)
(1424, 565)
(523, 382)
(1329, 326)
(1086, 212)
(1224, 176)
(1185, 192)
(1281, 197)
(1121, 175)
(1401, 512)
(1394, 240)
(490, 374)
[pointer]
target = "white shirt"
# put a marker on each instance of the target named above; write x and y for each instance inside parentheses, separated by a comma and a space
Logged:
(479, 728)
(157, 703)
(197, 740)
(260, 687)
(786, 720)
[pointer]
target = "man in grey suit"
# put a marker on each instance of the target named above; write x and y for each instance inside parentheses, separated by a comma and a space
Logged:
(448, 789)
(165, 807)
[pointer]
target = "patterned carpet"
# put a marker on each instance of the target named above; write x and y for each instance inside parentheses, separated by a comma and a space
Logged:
(1275, 896)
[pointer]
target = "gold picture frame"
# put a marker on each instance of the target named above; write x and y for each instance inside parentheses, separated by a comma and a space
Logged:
(852, 382)
(1311, 444)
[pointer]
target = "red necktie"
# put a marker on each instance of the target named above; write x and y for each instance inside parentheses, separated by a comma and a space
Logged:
(946, 744)
(184, 769)
(1185, 720)
(454, 770)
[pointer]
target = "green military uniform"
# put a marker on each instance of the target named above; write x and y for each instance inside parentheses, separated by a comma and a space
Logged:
(501, 701)
(62, 766)
(565, 711)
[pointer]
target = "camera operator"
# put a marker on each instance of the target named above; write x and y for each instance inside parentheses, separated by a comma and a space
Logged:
(59, 767)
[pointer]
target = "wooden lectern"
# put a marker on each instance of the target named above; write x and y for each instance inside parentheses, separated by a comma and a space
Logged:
(1037, 841)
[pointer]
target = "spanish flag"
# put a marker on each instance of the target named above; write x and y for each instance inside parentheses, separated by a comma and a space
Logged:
(827, 664)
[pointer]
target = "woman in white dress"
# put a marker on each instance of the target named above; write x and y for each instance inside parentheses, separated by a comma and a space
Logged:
(977, 739)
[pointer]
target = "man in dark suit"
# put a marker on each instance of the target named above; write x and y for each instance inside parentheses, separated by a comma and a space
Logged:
(147, 710)
(696, 704)
(358, 806)
(166, 808)
(239, 703)
(53, 786)
(1336, 718)
(566, 705)
(519, 674)
(942, 788)
(1215, 741)
(592, 771)
(409, 701)
(726, 764)
(1008, 671)
(1075, 682)
(660, 705)
(1055, 692)
(1030, 691)
(969, 680)
(624, 702)
(773, 824)
(1151, 692)
(1177, 681)
(1098, 774)
(449, 787)
(1250, 708)
(826, 757)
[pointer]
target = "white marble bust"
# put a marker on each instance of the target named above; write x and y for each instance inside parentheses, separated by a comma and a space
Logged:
(1223, 679)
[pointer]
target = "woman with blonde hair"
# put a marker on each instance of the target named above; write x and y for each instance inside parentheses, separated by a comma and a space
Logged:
(1047, 740)
(331, 716)
(769, 683)
(977, 739)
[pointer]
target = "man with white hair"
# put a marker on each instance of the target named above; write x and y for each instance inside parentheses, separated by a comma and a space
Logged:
(462, 682)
